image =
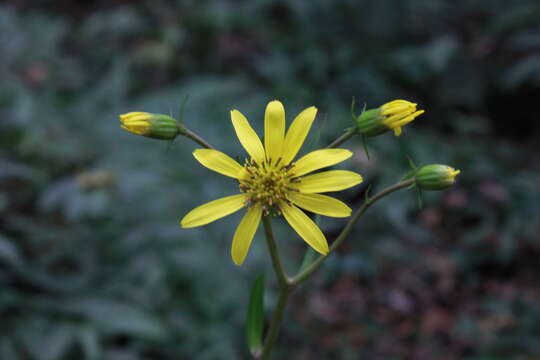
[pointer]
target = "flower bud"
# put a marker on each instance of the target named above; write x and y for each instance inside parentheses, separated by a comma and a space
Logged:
(436, 177)
(390, 116)
(157, 126)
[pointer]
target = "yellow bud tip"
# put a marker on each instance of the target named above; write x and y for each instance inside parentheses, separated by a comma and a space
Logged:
(454, 173)
(136, 122)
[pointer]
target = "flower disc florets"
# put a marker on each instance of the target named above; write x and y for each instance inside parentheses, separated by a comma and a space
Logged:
(267, 184)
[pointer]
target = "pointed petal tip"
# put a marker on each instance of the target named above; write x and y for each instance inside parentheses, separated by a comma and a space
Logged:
(183, 224)
(236, 261)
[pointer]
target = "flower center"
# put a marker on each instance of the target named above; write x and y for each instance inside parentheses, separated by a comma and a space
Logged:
(267, 184)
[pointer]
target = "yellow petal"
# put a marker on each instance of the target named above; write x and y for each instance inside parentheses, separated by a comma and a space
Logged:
(247, 136)
(397, 131)
(274, 129)
(321, 204)
(244, 234)
(297, 133)
(213, 210)
(333, 180)
(138, 131)
(219, 162)
(305, 227)
(132, 114)
(320, 159)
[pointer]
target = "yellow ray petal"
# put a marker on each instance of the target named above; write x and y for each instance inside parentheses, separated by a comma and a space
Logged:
(244, 234)
(274, 129)
(219, 162)
(213, 210)
(297, 134)
(321, 204)
(320, 159)
(333, 180)
(247, 136)
(305, 227)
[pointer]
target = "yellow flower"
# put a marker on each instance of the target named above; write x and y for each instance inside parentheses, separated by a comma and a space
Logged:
(397, 113)
(271, 183)
(157, 126)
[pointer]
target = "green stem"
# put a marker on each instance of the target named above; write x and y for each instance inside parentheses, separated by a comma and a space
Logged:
(284, 291)
(282, 277)
(275, 323)
(349, 133)
(304, 274)
(190, 134)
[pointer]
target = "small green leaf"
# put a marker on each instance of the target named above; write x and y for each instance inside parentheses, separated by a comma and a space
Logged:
(353, 112)
(365, 144)
(366, 194)
(411, 163)
(411, 173)
(182, 109)
(255, 315)
(419, 195)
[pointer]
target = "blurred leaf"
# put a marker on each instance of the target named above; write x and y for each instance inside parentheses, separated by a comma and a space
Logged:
(119, 318)
(9, 252)
(255, 315)
(89, 341)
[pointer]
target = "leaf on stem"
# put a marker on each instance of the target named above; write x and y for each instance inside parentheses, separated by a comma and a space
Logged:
(255, 315)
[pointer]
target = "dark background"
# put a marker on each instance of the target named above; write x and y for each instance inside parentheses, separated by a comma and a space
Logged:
(93, 263)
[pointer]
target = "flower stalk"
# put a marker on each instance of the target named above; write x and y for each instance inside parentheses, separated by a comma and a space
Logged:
(281, 275)
(198, 139)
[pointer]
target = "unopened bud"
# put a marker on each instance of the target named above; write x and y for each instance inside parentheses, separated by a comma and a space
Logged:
(390, 116)
(156, 126)
(436, 177)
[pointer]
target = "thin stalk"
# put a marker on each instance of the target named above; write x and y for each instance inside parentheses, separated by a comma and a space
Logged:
(274, 254)
(190, 134)
(340, 140)
(304, 274)
(275, 323)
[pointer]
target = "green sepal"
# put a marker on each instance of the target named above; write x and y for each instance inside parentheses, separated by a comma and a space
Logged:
(369, 123)
(255, 316)
(163, 127)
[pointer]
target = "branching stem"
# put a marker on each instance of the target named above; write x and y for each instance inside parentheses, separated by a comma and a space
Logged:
(193, 136)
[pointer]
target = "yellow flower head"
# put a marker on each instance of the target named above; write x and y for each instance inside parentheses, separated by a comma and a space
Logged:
(271, 183)
(397, 113)
(436, 177)
(157, 126)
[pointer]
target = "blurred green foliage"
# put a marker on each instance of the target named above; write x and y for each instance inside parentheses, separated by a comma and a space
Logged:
(93, 264)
